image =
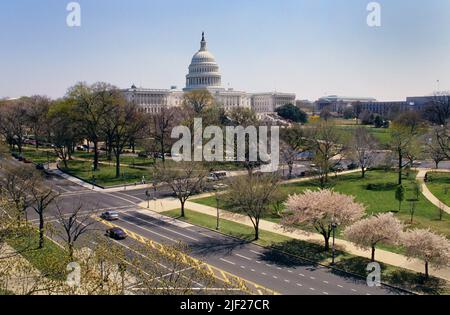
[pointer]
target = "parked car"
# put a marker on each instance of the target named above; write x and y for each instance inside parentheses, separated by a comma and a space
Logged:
(116, 233)
(214, 176)
(40, 167)
(110, 216)
(352, 166)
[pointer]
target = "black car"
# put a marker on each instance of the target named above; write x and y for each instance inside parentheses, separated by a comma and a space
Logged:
(40, 167)
(116, 233)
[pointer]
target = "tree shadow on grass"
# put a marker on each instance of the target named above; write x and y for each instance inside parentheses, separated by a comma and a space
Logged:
(396, 277)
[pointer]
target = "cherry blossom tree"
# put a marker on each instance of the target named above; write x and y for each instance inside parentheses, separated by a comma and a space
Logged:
(369, 232)
(433, 249)
(322, 209)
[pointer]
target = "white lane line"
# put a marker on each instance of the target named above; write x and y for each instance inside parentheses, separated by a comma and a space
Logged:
(301, 274)
(326, 293)
(258, 262)
(243, 257)
(227, 261)
(252, 270)
(312, 289)
(299, 284)
(312, 278)
(140, 227)
(243, 267)
(290, 271)
(287, 281)
(340, 286)
(167, 229)
(275, 277)
(255, 252)
(279, 268)
(354, 290)
(264, 274)
(325, 282)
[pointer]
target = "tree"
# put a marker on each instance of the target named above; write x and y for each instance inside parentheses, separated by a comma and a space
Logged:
(93, 104)
(127, 122)
(325, 114)
(404, 132)
(322, 209)
(400, 196)
(369, 232)
(433, 249)
(37, 111)
(74, 225)
(185, 179)
(162, 124)
(63, 129)
(42, 199)
(437, 110)
(412, 210)
(361, 147)
(13, 122)
(292, 113)
(198, 100)
(434, 149)
(252, 196)
(325, 141)
(18, 183)
(289, 156)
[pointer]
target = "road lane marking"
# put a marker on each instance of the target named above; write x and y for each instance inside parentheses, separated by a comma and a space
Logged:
(325, 282)
(153, 232)
(229, 278)
(167, 229)
(340, 286)
(227, 261)
(312, 289)
(243, 257)
(326, 293)
(299, 284)
(301, 274)
(255, 252)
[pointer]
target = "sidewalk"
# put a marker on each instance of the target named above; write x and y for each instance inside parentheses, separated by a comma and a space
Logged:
(384, 256)
(427, 193)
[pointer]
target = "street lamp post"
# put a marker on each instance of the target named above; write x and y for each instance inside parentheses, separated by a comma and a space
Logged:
(334, 226)
(217, 208)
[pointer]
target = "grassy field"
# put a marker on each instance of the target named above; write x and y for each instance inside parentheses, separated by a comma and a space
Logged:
(314, 252)
(376, 192)
(51, 260)
(106, 175)
(381, 134)
(39, 156)
(439, 185)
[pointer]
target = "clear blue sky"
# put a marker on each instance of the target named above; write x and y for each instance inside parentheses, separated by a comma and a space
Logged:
(310, 47)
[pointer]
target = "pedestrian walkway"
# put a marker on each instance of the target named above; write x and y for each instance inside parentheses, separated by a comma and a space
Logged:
(383, 256)
(427, 193)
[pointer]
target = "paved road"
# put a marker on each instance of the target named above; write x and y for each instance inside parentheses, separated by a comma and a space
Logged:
(266, 267)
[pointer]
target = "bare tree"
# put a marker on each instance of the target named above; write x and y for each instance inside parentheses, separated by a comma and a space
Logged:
(434, 149)
(438, 109)
(404, 132)
(75, 224)
(185, 179)
(326, 143)
(289, 156)
(161, 127)
(198, 100)
(252, 195)
(322, 210)
(13, 122)
(362, 149)
(42, 199)
(369, 232)
(37, 115)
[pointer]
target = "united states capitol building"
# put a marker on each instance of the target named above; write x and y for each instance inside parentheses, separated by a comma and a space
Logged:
(204, 74)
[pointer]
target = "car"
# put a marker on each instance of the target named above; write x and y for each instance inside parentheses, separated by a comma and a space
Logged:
(352, 166)
(40, 167)
(110, 216)
(116, 233)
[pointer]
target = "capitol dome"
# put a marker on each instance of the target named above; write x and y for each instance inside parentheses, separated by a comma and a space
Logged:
(203, 70)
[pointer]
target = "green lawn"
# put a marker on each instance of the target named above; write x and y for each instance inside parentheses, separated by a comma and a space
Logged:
(383, 135)
(106, 175)
(376, 192)
(439, 185)
(39, 156)
(51, 260)
(314, 252)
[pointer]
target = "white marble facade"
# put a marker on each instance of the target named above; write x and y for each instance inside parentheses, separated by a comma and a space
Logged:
(204, 74)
